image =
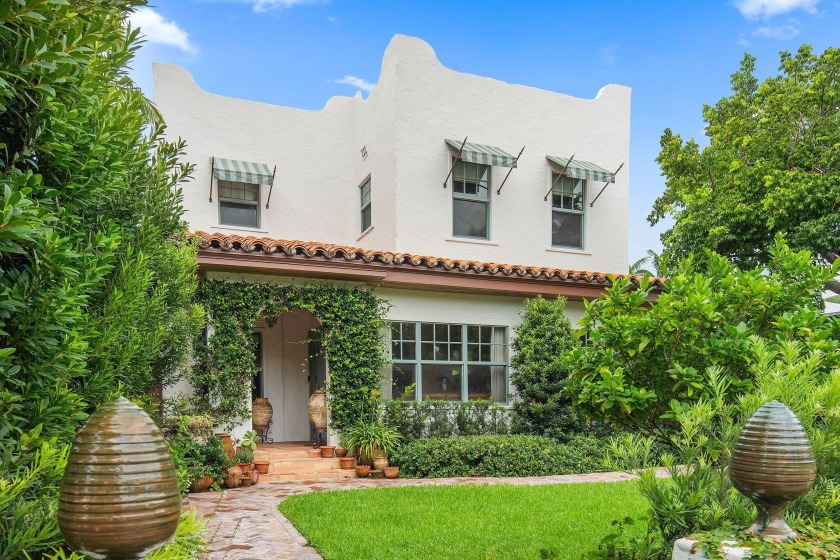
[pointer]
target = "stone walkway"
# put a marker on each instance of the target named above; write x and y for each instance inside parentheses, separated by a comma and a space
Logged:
(245, 524)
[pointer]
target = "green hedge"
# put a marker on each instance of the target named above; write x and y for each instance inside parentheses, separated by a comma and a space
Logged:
(445, 419)
(499, 455)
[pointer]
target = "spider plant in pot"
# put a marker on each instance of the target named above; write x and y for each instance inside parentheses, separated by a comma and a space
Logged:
(371, 439)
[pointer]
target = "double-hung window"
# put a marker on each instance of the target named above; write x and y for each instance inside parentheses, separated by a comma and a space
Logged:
(448, 362)
(567, 204)
(367, 217)
(471, 200)
(239, 204)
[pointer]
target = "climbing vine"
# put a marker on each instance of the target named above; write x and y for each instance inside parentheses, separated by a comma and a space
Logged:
(352, 322)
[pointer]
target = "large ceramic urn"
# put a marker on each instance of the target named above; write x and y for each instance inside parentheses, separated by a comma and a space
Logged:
(261, 413)
(119, 496)
(772, 464)
(317, 408)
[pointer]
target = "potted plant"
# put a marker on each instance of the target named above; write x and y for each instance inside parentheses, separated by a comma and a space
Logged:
(347, 462)
(363, 471)
(262, 466)
(244, 459)
(371, 439)
(392, 472)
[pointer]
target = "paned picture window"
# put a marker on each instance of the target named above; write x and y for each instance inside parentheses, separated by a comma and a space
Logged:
(567, 203)
(471, 200)
(239, 204)
(367, 217)
(451, 362)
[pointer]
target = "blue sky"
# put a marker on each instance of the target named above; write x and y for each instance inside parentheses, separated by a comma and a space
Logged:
(675, 55)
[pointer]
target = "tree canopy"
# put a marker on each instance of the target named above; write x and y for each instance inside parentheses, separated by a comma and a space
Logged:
(772, 166)
(96, 280)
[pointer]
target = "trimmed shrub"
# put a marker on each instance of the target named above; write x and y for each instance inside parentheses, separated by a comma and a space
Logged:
(443, 419)
(497, 455)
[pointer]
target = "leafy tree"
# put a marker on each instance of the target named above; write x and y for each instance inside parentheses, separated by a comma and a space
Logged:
(543, 406)
(772, 166)
(646, 360)
(657, 263)
(96, 279)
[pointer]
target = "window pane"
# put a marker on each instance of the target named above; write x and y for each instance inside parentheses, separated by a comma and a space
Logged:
(472, 333)
(455, 352)
(441, 352)
(402, 377)
(366, 217)
(567, 229)
(396, 352)
(471, 179)
(487, 382)
(427, 331)
(455, 333)
(396, 330)
(408, 350)
(485, 353)
(486, 334)
(234, 214)
(408, 331)
(469, 218)
(441, 382)
(441, 333)
(472, 352)
(427, 351)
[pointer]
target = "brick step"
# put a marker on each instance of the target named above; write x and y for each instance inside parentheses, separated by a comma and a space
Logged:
(285, 455)
(291, 477)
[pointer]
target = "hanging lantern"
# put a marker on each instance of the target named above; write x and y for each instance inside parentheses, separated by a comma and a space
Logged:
(119, 496)
(773, 464)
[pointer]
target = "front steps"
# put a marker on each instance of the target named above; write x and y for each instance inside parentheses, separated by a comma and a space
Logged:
(290, 461)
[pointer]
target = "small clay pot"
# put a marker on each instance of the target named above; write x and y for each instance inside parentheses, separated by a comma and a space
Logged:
(340, 452)
(233, 476)
(262, 466)
(347, 462)
(247, 479)
(201, 484)
(379, 463)
(327, 451)
(246, 467)
(363, 471)
(392, 472)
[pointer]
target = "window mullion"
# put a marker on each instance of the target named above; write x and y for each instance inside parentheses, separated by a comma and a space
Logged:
(464, 369)
(418, 374)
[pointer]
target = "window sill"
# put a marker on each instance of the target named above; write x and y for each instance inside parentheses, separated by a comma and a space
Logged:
(568, 250)
(240, 228)
(470, 240)
(364, 233)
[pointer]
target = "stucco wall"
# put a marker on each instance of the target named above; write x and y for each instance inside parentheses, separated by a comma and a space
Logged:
(416, 104)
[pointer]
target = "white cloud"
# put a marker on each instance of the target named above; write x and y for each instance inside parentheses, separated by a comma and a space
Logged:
(155, 29)
(753, 9)
(357, 83)
(742, 40)
(332, 19)
(262, 6)
(781, 32)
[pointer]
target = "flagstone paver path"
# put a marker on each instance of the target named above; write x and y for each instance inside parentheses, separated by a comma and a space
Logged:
(245, 524)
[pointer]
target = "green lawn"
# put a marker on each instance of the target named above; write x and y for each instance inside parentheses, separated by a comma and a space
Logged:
(462, 522)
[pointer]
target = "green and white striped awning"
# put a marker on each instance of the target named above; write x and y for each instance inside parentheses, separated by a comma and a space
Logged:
(242, 171)
(479, 153)
(584, 170)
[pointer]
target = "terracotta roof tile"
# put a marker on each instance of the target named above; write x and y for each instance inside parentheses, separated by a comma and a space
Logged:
(310, 249)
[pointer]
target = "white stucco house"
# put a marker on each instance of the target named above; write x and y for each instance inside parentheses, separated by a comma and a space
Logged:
(384, 193)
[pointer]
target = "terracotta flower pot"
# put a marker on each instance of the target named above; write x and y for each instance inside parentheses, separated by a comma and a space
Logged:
(392, 472)
(379, 463)
(262, 466)
(340, 452)
(246, 467)
(347, 462)
(247, 479)
(227, 443)
(233, 476)
(255, 477)
(327, 451)
(363, 471)
(202, 484)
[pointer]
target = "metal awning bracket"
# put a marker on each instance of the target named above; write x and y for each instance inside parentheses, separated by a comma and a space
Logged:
(591, 204)
(499, 190)
(271, 188)
(212, 172)
(562, 173)
(457, 157)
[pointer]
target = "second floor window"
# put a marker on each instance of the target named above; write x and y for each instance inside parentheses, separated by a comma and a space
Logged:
(239, 204)
(471, 200)
(567, 203)
(367, 217)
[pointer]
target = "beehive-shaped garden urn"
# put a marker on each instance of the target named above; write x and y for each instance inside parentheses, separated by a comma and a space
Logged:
(772, 464)
(119, 496)
(317, 409)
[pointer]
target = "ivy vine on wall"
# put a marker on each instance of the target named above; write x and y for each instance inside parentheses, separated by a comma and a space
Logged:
(352, 323)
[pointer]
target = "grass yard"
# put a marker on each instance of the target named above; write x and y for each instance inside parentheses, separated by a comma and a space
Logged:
(462, 522)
